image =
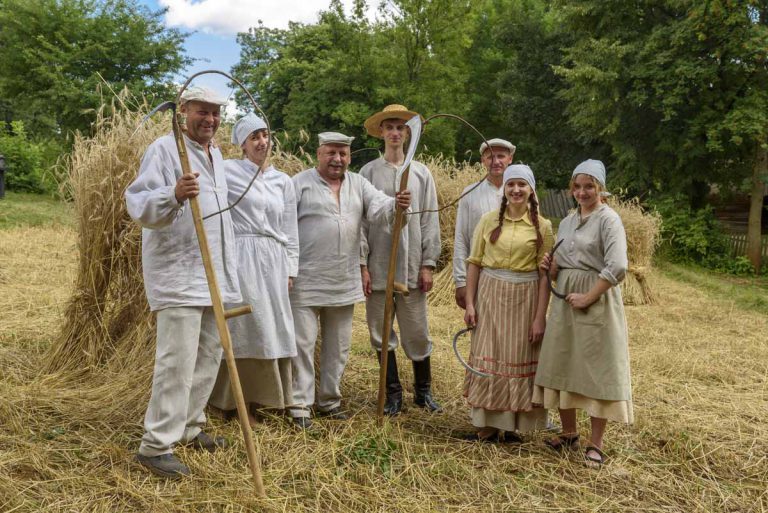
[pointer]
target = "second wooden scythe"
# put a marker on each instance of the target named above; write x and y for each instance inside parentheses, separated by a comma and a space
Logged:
(414, 124)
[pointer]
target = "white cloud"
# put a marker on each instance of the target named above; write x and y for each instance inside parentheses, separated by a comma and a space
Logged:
(227, 17)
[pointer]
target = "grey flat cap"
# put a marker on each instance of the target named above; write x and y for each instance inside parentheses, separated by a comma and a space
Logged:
(501, 143)
(334, 138)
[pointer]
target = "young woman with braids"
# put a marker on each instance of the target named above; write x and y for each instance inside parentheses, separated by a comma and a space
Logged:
(507, 298)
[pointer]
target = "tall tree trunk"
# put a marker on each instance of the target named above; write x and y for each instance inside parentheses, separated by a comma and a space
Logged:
(754, 227)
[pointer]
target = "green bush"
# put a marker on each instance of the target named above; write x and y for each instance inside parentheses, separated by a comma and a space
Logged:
(696, 236)
(23, 159)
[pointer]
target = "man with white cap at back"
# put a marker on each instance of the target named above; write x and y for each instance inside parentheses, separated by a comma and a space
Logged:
(188, 347)
(331, 206)
(496, 156)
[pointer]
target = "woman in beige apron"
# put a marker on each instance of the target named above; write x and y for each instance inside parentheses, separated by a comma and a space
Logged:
(584, 360)
(506, 302)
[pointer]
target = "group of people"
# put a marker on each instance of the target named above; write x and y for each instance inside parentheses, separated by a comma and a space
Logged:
(303, 250)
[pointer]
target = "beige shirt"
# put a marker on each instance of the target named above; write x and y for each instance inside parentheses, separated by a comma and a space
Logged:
(420, 238)
(471, 208)
(598, 243)
(329, 237)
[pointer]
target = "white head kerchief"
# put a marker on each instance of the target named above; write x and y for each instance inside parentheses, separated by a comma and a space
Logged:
(593, 168)
(245, 126)
(520, 171)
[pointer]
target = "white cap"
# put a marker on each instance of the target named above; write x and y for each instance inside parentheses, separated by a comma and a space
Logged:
(202, 94)
(334, 138)
(245, 126)
(500, 143)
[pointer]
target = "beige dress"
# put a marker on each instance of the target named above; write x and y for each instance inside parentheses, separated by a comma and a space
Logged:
(584, 360)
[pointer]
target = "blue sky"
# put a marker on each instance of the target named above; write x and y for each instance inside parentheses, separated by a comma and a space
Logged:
(215, 23)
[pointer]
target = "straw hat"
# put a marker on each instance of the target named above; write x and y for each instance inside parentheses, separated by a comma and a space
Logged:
(394, 111)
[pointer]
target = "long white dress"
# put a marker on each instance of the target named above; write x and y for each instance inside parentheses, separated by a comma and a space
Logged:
(267, 245)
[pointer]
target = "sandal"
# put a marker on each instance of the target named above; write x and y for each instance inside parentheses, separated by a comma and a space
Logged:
(592, 461)
(561, 442)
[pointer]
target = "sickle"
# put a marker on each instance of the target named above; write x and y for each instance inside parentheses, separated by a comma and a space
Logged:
(461, 358)
(549, 277)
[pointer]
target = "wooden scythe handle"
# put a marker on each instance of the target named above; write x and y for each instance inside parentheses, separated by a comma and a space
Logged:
(389, 294)
(219, 312)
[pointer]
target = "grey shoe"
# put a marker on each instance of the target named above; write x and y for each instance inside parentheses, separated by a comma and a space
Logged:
(302, 423)
(334, 414)
(205, 441)
(165, 465)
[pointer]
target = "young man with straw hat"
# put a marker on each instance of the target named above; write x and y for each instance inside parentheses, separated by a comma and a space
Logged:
(188, 347)
(417, 256)
(331, 205)
(496, 156)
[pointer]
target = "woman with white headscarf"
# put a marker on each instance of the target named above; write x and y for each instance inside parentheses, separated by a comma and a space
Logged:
(584, 361)
(506, 302)
(267, 243)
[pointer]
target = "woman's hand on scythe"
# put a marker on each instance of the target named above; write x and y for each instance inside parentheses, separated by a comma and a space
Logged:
(470, 317)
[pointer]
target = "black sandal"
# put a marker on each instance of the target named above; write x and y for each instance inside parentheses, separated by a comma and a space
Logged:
(591, 461)
(561, 442)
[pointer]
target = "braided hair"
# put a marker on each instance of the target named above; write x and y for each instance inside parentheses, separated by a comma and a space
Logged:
(533, 212)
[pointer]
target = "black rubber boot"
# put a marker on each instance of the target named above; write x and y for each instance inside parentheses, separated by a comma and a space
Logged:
(394, 403)
(422, 386)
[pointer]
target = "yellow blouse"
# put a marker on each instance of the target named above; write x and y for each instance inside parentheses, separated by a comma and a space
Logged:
(515, 249)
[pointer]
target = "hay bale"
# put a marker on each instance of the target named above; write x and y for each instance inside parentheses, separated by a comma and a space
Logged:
(643, 237)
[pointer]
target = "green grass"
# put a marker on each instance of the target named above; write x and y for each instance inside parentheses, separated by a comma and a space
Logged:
(747, 292)
(25, 209)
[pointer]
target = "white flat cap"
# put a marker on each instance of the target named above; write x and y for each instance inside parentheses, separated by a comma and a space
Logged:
(245, 126)
(202, 94)
(334, 138)
(500, 143)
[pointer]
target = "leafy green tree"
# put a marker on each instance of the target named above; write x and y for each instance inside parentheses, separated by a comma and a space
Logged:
(677, 89)
(24, 160)
(56, 54)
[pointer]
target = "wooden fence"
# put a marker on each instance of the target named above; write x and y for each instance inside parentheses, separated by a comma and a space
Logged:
(555, 204)
(739, 245)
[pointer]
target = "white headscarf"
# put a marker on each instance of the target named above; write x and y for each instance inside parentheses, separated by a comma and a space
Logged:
(245, 126)
(593, 168)
(520, 171)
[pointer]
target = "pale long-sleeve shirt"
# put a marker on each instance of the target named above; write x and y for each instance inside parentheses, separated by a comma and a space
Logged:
(599, 244)
(471, 208)
(329, 237)
(420, 238)
(269, 208)
(172, 263)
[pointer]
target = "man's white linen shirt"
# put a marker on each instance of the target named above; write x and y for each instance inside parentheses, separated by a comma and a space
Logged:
(471, 208)
(419, 240)
(329, 237)
(171, 260)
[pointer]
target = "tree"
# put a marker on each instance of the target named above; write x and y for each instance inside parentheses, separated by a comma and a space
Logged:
(55, 55)
(678, 89)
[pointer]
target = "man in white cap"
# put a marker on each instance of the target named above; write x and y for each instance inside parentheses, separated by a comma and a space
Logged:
(188, 348)
(417, 256)
(331, 206)
(496, 156)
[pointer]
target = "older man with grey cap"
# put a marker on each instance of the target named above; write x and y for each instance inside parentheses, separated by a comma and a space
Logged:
(188, 347)
(496, 155)
(331, 206)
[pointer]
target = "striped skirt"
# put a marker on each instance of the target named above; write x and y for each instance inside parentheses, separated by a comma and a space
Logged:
(500, 347)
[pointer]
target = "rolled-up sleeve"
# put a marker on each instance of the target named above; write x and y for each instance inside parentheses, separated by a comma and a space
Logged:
(614, 241)
(461, 245)
(151, 198)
